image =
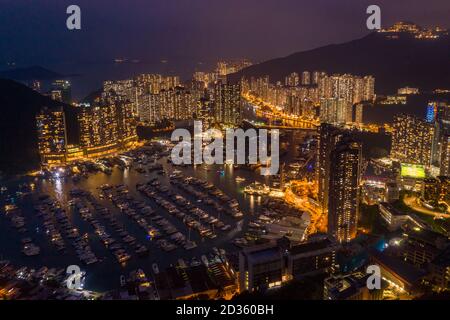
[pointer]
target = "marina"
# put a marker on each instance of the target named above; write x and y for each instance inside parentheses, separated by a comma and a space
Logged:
(125, 215)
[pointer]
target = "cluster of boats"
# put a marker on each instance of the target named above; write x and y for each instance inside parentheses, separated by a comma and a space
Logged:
(178, 206)
(18, 221)
(55, 224)
(54, 221)
(117, 247)
(15, 215)
(139, 211)
(209, 194)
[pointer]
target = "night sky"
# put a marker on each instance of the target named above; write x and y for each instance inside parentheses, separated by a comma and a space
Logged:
(34, 31)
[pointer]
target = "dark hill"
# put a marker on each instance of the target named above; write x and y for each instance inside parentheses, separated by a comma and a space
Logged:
(30, 73)
(18, 144)
(394, 63)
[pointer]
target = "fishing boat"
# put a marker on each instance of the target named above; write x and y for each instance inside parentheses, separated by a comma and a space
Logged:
(31, 250)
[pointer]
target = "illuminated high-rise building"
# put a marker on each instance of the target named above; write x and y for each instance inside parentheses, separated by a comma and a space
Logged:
(343, 200)
(172, 104)
(369, 88)
(412, 140)
(306, 78)
(292, 80)
(205, 111)
(52, 135)
(62, 91)
(227, 103)
(225, 68)
(260, 86)
(335, 111)
(445, 155)
(126, 125)
(124, 91)
(359, 108)
(438, 114)
(206, 78)
(329, 136)
(98, 126)
(316, 76)
(443, 112)
(106, 128)
(351, 88)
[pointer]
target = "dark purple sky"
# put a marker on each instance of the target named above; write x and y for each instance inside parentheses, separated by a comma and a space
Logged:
(34, 32)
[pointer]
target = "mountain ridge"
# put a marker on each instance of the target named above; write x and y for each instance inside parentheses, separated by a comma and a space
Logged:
(395, 63)
(30, 73)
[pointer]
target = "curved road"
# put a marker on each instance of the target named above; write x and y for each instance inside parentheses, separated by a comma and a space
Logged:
(412, 202)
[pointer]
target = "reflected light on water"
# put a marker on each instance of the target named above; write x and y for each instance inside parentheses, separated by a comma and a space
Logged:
(126, 173)
(59, 194)
(252, 203)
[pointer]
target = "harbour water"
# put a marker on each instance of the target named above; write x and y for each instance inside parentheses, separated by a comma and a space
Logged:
(105, 274)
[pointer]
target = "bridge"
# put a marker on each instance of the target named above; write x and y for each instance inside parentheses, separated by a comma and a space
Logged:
(287, 121)
(279, 127)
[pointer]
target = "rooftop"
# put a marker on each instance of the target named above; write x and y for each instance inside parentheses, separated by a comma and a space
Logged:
(403, 270)
(311, 246)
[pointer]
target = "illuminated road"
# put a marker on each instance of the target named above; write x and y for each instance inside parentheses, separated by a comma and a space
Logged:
(274, 113)
(413, 203)
(298, 194)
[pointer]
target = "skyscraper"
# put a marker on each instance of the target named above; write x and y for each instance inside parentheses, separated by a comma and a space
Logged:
(445, 155)
(351, 88)
(204, 111)
(335, 111)
(171, 104)
(412, 140)
(306, 78)
(369, 88)
(227, 103)
(359, 113)
(292, 80)
(62, 91)
(329, 136)
(126, 126)
(52, 136)
(106, 128)
(438, 114)
(225, 68)
(98, 126)
(343, 196)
